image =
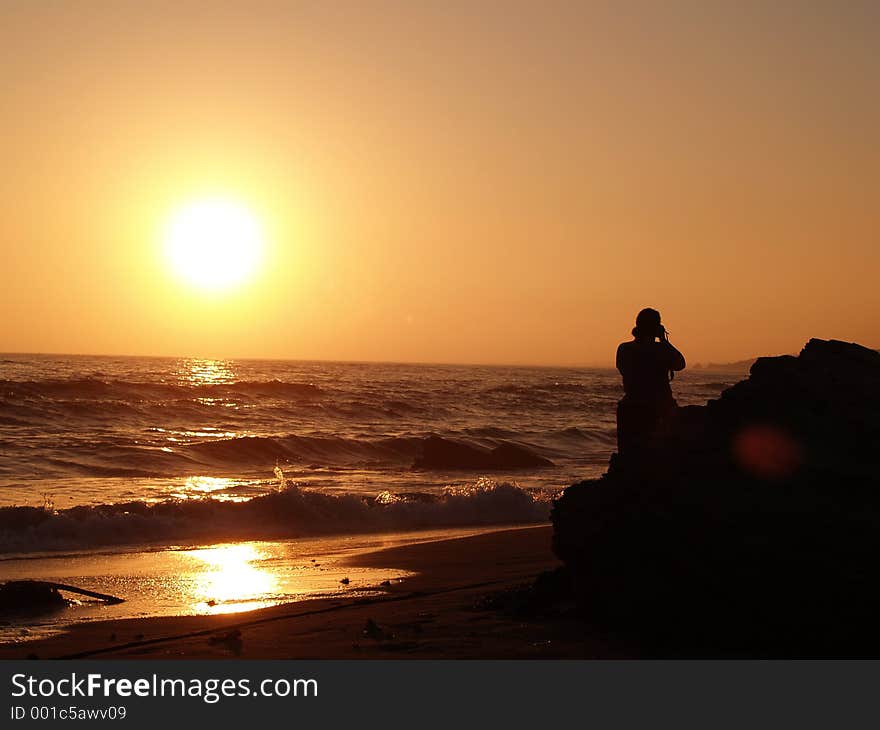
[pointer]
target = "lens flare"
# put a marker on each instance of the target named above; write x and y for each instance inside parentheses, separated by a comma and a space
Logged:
(767, 452)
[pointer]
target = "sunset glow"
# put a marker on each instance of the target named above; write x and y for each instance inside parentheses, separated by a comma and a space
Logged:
(402, 182)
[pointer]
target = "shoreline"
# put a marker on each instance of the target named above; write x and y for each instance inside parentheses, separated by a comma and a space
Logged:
(439, 612)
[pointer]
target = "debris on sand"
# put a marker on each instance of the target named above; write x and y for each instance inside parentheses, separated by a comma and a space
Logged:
(372, 630)
(231, 640)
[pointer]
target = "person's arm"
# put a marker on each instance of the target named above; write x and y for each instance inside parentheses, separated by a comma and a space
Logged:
(619, 361)
(676, 359)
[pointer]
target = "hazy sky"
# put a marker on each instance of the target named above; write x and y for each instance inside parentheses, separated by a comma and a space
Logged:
(443, 181)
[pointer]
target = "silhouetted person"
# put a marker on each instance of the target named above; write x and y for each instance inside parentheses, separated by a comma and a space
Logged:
(647, 364)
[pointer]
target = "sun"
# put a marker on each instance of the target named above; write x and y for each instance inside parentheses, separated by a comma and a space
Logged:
(214, 243)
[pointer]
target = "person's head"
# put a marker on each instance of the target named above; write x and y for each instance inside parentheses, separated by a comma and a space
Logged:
(648, 325)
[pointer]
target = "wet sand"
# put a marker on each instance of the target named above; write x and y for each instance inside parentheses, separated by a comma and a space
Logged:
(441, 612)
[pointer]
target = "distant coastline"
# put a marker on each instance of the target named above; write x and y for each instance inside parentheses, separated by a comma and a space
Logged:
(736, 366)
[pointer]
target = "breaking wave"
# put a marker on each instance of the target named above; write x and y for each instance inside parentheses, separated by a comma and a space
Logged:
(289, 512)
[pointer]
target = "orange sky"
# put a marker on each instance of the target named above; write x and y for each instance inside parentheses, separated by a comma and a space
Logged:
(449, 182)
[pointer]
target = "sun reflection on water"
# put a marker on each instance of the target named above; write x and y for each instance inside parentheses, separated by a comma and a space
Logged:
(220, 489)
(231, 579)
(198, 371)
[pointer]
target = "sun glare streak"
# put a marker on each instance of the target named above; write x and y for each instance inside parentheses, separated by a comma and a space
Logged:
(214, 243)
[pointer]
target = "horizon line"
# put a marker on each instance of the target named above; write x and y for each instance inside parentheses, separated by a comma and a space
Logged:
(427, 363)
(319, 360)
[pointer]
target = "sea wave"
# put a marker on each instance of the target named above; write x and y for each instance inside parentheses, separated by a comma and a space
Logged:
(91, 400)
(289, 512)
(556, 388)
(108, 456)
(324, 450)
(126, 390)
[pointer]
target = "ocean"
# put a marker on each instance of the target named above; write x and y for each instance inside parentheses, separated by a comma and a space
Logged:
(132, 456)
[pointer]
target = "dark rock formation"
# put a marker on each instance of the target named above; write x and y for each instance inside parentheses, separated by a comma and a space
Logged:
(756, 529)
(439, 453)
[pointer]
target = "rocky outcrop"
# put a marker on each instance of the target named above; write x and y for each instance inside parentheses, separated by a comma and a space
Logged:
(756, 529)
(439, 453)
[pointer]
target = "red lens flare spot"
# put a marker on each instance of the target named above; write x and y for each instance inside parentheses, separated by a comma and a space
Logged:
(767, 452)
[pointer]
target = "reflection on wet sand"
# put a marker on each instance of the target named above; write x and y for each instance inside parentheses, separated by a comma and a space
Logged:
(215, 579)
(232, 579)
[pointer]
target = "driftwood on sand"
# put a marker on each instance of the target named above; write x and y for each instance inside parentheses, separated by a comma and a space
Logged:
(37, 596)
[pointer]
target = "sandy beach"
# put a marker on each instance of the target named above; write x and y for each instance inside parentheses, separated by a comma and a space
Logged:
(443, 611)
